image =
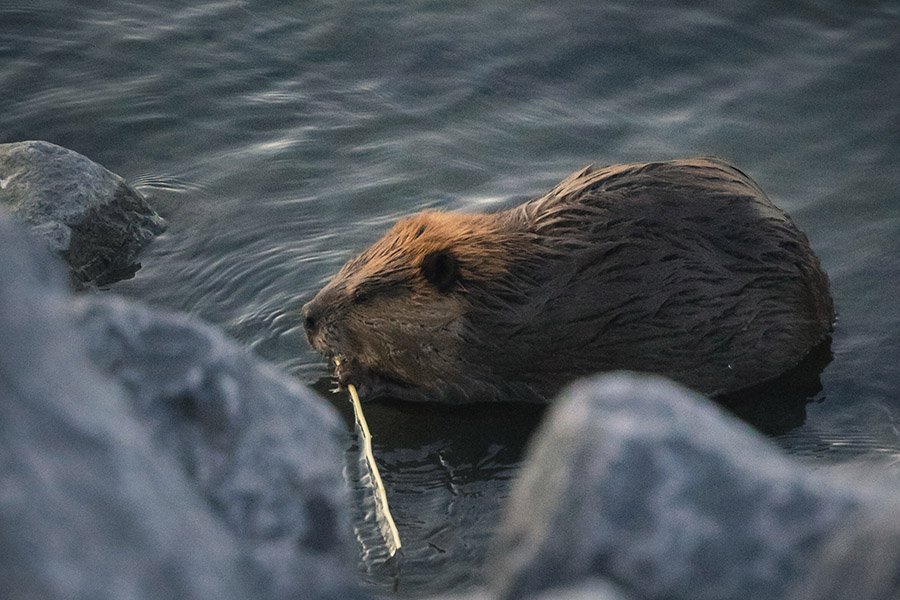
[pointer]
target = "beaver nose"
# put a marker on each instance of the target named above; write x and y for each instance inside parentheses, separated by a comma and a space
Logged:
(311, 315)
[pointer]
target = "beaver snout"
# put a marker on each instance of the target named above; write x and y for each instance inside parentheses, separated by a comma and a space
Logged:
(312, 318)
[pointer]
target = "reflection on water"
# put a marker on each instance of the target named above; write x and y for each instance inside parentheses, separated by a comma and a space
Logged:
(779, 406)
(446, 471)
(278, 139)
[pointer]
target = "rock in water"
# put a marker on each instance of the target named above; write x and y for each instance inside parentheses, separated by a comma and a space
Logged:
(87, 214)
(644, 483)
(263, 450)
(86, 509)
(171, 465)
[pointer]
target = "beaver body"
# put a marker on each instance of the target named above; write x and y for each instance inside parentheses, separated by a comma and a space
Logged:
(682, 268)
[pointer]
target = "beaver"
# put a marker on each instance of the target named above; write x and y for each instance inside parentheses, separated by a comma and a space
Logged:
(683, 268)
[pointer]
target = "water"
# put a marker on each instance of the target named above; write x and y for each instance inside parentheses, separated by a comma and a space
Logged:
(279, 138)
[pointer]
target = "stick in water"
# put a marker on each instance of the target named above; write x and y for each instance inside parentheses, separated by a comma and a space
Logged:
(391, 536)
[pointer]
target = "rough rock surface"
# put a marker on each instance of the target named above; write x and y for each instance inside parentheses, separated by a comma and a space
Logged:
(264, 451)
(169, 465)
(861, 562)
(641, 482)
(87, 214)
(586, 589)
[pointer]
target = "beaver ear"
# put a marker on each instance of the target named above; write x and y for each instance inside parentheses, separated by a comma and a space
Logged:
(440, 269)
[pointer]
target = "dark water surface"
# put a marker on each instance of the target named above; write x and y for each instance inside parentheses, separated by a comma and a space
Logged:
(279, 138)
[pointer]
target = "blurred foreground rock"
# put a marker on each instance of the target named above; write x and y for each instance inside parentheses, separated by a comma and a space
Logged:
(590, 588)
(638, 481)
(145, 456)
(88, 215)
(264, 451)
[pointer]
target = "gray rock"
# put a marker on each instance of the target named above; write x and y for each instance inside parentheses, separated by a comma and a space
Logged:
(263, 450)
(587, 589)
(642, 482)
(217, 479)
(861, 561)
(87, 214)
(474, 594)
(86, 509)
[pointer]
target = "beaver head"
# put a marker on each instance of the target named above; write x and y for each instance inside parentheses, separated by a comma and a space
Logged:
(399, 314)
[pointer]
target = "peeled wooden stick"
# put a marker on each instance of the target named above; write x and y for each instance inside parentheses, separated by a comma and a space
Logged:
(392, 536)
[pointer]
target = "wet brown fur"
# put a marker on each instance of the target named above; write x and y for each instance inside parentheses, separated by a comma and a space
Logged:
(683, 268)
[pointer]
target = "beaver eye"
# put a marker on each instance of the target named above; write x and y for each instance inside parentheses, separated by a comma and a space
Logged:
(439, 268)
